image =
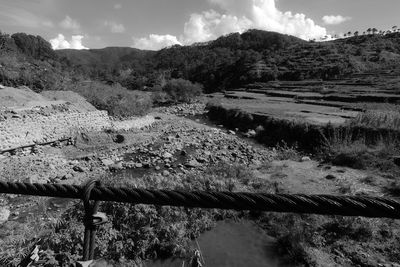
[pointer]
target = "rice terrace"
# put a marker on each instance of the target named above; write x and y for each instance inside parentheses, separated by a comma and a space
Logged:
(199, 133)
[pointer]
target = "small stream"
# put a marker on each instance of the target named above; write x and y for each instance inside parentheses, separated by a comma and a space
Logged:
(231, 244)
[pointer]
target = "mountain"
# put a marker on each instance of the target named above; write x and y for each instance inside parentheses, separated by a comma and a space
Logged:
(106, 56)
(231, 61)
(238, 59)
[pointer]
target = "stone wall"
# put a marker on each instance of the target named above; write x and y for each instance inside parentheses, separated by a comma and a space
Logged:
(18, 129)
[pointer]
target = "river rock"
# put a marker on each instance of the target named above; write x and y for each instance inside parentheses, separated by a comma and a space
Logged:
(138, 165)
(78, 168)
(116, 166)
(303, 159)
(201, 160)
(330, 177)
(192, 164)
(4, 215)
(107, 162)
(146, 165)
(34, 178)
(250, 133)
(167, 155)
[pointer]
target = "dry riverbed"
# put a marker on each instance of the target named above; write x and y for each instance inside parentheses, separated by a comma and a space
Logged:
(176, 148)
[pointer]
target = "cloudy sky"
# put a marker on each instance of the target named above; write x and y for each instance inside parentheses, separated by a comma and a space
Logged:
(153, 24)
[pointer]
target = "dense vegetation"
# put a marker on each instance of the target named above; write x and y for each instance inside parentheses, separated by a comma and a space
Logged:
(229, 62)
(237, 59)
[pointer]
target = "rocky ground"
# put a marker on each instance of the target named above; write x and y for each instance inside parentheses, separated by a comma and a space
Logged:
(178, 143)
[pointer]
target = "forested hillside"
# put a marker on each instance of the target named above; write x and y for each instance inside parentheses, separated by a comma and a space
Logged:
(238, 59)
(229, 62)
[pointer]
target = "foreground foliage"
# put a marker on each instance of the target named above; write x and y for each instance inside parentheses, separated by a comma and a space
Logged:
(135, 233)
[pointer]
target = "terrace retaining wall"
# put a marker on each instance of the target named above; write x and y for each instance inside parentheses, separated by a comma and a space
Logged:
(305, 136)
(18, 130)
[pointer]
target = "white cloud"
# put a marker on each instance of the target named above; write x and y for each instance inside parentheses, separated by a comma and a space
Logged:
(241, 15)
(334, 20)
(114, 26)
(155, 42)
(70, 24)
(61, 43)
(118, 6)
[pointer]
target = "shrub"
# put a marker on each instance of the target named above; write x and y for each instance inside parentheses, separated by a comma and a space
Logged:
(180, 90)
(158, 96)
(117, 100)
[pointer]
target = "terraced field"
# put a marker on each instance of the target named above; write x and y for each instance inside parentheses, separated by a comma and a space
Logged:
(315, 101)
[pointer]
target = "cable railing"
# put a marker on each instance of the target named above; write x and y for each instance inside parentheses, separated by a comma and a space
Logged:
(93, 192)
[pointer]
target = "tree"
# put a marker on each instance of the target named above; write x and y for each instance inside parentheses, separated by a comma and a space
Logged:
(369, 30)
(349, 33)
(34, 46)
(394, 28)
(374, 30)
(356, 33)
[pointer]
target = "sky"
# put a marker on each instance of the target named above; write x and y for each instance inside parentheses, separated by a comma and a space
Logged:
(155, 24)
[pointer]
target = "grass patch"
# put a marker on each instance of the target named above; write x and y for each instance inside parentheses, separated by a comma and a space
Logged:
(342, 148)
(346, 240)
(286, 152)
(378, 119)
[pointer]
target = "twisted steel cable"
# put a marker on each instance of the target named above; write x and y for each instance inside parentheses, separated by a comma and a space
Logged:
(89, 240)
(313, 204)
